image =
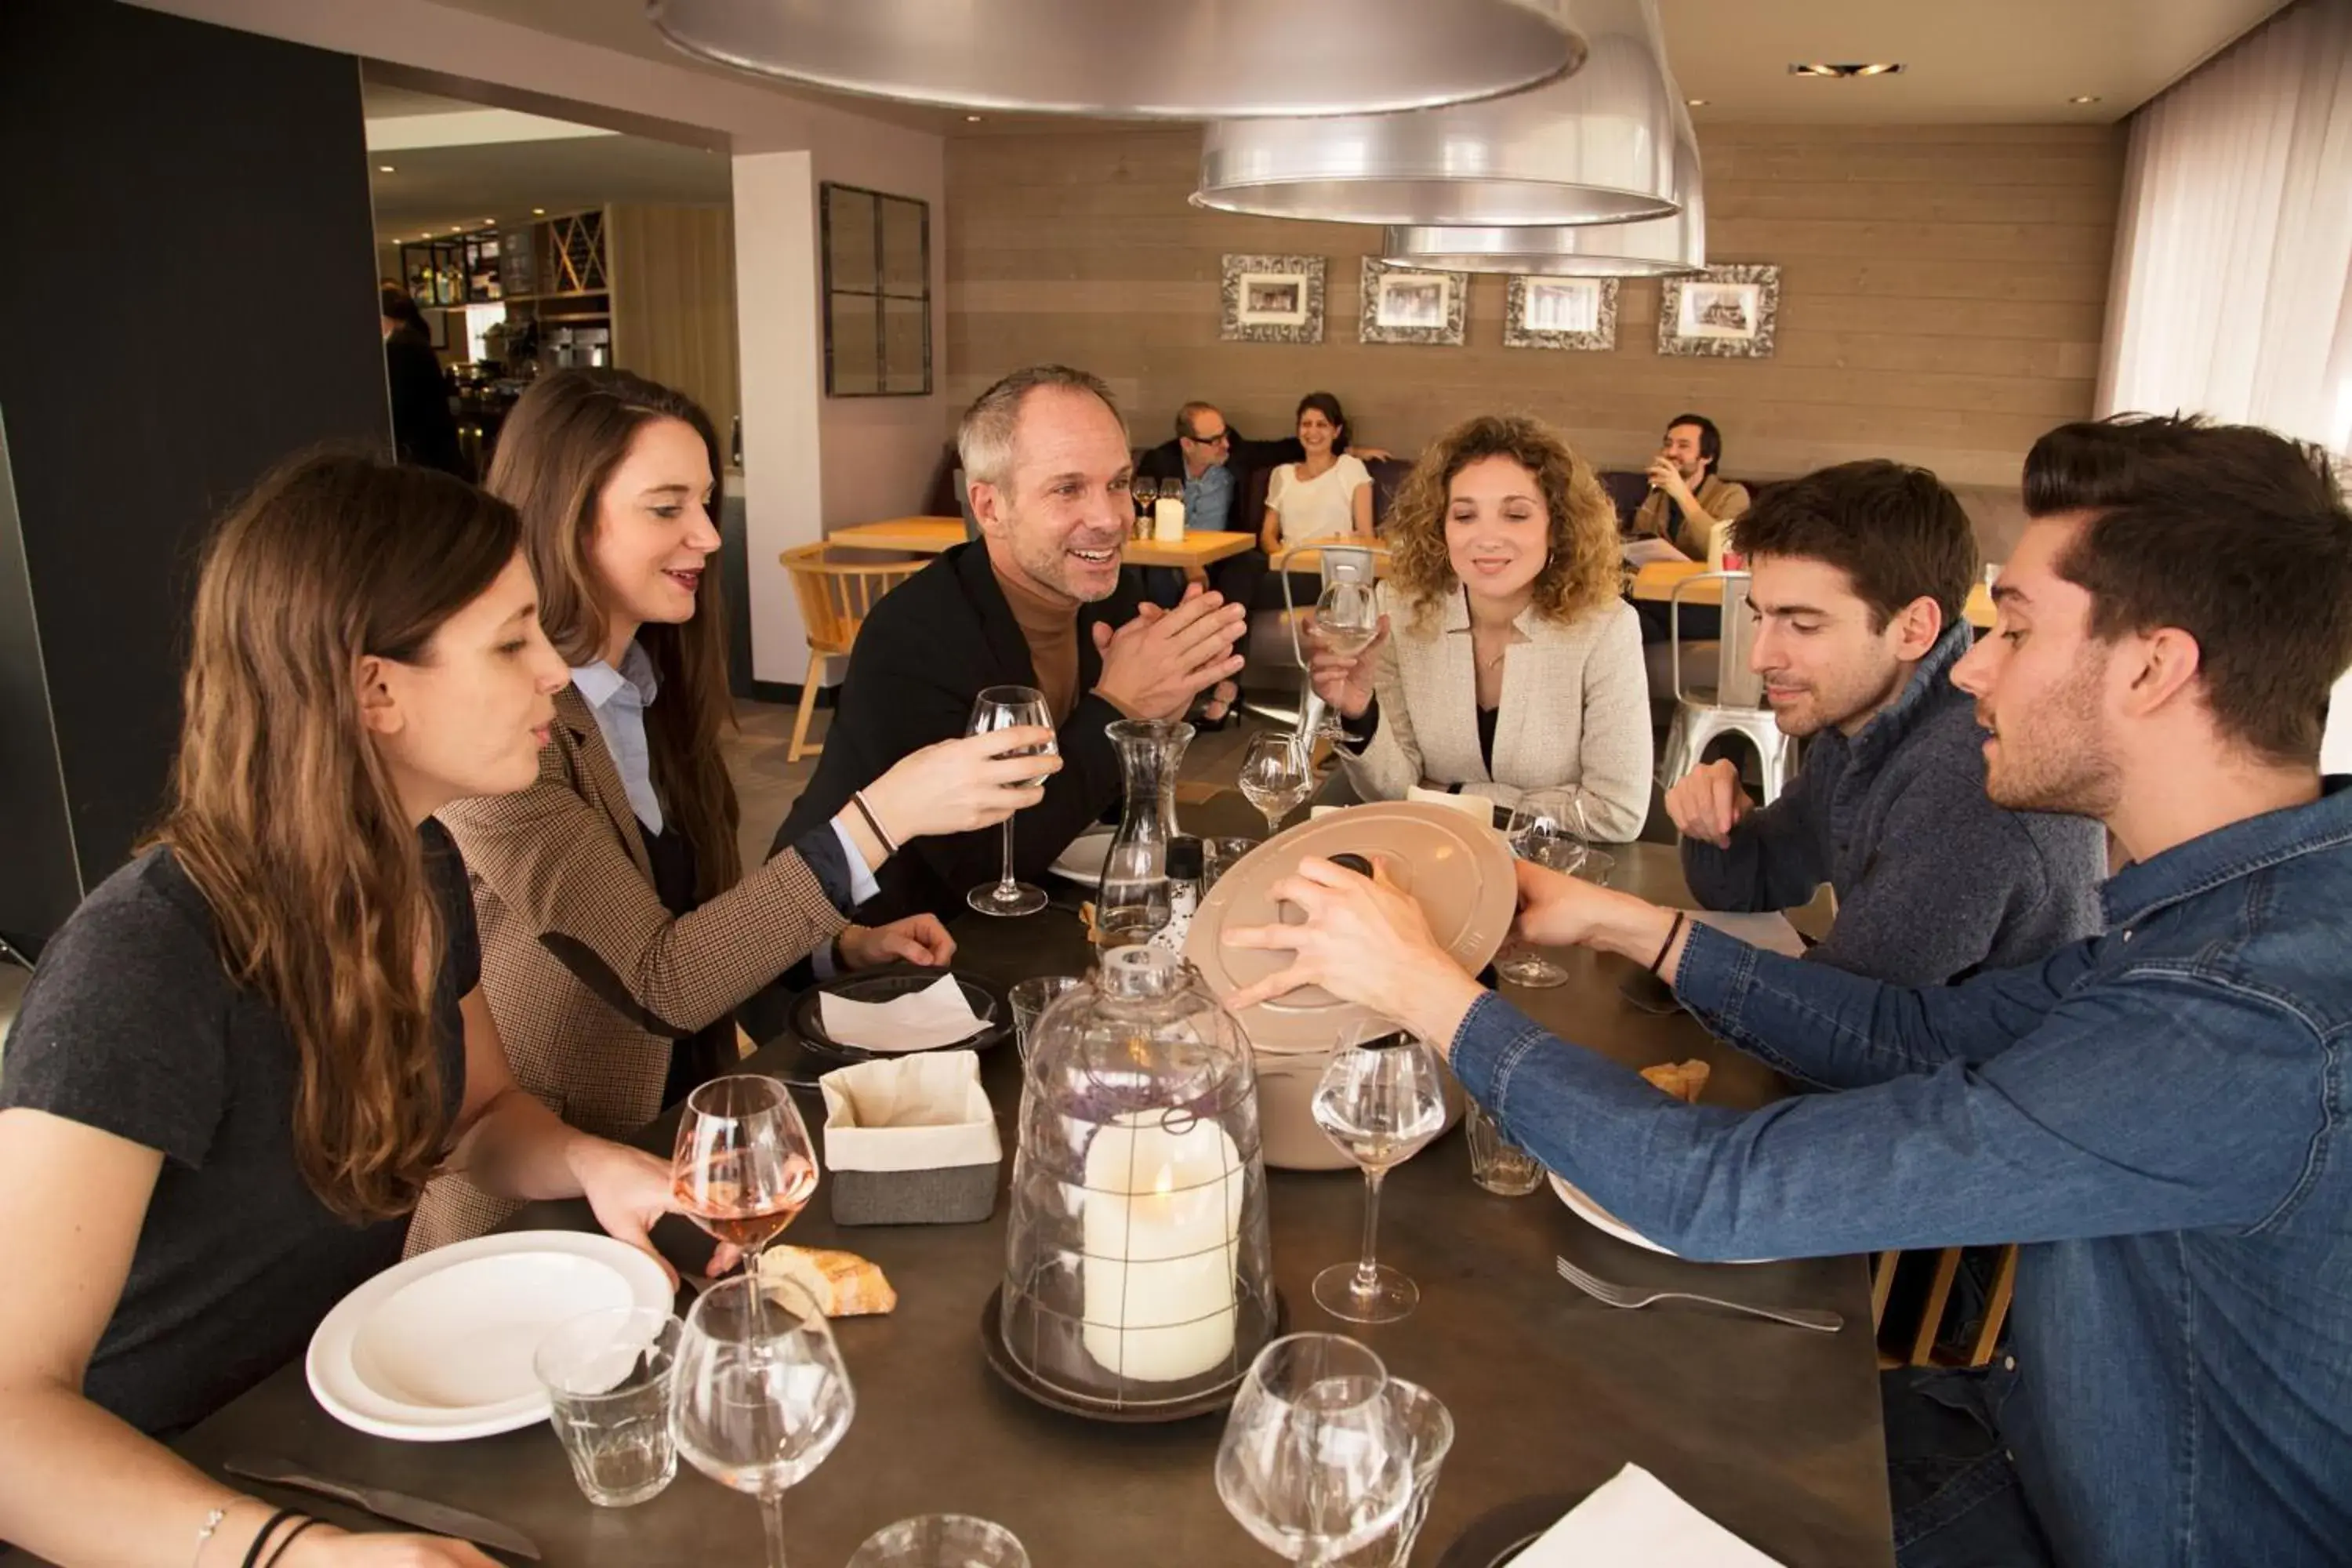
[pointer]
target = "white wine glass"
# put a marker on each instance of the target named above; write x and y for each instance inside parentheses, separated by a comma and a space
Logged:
(1146, 494)
(1314, 1463)
(1347, 619)
(1007, 708)
(1275, 776)
(1381, 1098)
(742, 1167)
(761, 1394)
(1547, 828)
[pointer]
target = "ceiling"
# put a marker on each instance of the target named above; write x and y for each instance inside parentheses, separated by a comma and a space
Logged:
(1967, 61)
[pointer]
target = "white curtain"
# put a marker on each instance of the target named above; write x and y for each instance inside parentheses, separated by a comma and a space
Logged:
(2232, 287)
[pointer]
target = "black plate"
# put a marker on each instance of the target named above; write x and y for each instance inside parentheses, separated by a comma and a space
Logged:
(987, 999)
(1500, 1534)
(1001, 1362)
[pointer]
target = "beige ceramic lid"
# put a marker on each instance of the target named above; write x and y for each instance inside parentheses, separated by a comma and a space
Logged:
(1458, 869)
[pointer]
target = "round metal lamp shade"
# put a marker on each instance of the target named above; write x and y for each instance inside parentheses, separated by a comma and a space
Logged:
(1152, 59)
(1595, 147)
(1662, 247)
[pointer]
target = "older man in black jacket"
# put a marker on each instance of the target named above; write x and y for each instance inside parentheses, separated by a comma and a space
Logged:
(1035, 601)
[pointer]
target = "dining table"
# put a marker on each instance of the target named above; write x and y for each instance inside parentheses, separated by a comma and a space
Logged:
(1774, 1432)
(1192, 553)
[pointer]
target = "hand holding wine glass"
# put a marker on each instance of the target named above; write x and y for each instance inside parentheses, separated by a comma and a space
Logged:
(760, 1397)
(1346, 622)
(1012, 708)
(742, 1168)
(1547, 828)
(1379, 1100)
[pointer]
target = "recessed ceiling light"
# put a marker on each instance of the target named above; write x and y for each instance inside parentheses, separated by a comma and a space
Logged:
(2084, 98)
(539, 211)
(972, 119)
(385, 169)
(1845, 70)
(1696, 102)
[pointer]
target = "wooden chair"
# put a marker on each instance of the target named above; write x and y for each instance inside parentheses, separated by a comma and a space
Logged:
(1926, 1348)
(837, 595)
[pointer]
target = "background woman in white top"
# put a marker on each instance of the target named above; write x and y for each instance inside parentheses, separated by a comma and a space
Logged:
(1328, 495)
(1513, 665)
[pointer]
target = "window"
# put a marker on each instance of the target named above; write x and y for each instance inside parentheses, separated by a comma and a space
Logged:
(877, 293)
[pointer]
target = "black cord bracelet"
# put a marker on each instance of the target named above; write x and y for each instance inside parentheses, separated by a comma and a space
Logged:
(253, 1553)
(1666, 947)
(282, 1545)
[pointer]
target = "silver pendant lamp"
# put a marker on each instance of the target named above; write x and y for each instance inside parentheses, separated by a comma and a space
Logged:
(1150, 60)
(1595, 147)
(1661, 248)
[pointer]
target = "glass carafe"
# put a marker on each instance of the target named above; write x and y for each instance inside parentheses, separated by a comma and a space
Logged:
(1131, 900)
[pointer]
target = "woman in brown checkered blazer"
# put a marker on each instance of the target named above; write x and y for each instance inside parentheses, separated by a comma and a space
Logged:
(619, 928)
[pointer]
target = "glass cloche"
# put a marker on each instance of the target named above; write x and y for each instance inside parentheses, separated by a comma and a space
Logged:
(1137, 1272)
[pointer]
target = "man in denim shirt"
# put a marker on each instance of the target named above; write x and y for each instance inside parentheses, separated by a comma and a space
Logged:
(2158, 1113)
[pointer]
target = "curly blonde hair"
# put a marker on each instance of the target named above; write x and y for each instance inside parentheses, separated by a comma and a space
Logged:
(1582, 569)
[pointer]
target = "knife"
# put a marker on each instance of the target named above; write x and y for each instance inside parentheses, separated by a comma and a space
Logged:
(399, 1507)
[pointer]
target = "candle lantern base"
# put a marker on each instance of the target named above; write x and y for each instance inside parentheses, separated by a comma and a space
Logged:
(1140, 1411)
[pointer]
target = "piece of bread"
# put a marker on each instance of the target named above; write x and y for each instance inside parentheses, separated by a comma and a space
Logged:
(842, 1284)
(1683, 1080)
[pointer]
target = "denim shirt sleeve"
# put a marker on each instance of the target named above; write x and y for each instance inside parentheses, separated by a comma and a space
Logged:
(1825, 1027)
(2161, 1103)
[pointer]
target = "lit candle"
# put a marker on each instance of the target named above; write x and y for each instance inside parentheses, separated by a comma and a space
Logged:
(1162, 1214)
(1167, 519)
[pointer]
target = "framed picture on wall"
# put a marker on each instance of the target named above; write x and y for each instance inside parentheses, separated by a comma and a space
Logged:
(877, 293)
(1559, 313)
(1410, 305)
(1727, 311)
(1272, 300)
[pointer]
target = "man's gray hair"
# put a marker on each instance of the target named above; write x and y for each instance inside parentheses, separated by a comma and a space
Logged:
(984, 439)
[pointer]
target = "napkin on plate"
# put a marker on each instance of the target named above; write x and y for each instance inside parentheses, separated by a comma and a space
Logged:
(922, 1020)
(1634, 1520)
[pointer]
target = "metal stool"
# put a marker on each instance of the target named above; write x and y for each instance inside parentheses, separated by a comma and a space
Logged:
(1734, 707)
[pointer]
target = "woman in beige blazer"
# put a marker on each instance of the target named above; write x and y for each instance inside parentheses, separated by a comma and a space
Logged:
(619, 930)
(1506, 660)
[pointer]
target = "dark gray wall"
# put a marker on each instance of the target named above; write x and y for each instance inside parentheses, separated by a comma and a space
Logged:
(186, 295)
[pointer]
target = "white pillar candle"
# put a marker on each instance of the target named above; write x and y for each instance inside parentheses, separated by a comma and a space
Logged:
(1162, 1217)
(1168, 520)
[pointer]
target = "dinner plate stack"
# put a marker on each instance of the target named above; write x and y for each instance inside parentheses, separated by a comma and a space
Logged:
(439, 1348)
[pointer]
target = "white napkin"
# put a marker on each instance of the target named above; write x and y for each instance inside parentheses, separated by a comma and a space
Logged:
(1635, 1521)
(1477, 807)
(1649, 552)
(1769, 929)
(922, 1020)
(917, 1113)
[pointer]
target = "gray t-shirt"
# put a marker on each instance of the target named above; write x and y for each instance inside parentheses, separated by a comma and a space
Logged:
(130, 1024)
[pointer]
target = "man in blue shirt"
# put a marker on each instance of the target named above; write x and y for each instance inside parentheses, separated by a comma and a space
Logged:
(2160, 1114)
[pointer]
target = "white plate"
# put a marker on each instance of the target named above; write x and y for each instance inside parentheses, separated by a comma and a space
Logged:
(1600, 1219)
(1082, 862)
(438, 1349)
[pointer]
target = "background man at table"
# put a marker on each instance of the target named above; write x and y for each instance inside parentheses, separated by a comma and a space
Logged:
(1687, 496)
(2157, 1113)
(1862, 572)
(1035, 601)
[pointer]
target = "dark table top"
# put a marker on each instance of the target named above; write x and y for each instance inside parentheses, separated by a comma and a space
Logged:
(1772, 1431)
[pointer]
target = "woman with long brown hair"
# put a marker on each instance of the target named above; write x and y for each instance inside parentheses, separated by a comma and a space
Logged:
(243, 1056)
(620, 930)
(1514, 664)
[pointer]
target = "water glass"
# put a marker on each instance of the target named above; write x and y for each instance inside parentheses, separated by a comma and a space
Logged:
(607, 1374)
(1313, 1462)
(1428, 1429)
(1498, 1164)
(1547, 828)
(1219, 855)
(1595, 866)
(1030, 999)
(941, 1540)
(1381, 1098)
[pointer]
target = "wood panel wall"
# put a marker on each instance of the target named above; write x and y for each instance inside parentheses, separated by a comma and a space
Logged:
(673, 270)
(1943, 293)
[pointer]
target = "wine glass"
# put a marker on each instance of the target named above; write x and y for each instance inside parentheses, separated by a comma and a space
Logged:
(1003, 708)
(1346, 621)
(1379, 1100)
(742, 1167)
(1274, 775)
(1313, 1463)
(1547, 828)
(1145, 495)
(761, 1395)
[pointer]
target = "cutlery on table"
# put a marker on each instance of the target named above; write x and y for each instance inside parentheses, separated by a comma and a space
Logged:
(399, 1507)
(1613, 1294)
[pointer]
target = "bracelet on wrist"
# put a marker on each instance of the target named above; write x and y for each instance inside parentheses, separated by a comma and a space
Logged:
(865, 809)
(1668, 946)
(298, 1528)
(253, 1553)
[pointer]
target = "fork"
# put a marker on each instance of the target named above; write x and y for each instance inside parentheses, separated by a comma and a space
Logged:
(1613, 1294)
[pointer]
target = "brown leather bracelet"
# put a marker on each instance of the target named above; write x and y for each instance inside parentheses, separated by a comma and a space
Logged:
(1666, 947)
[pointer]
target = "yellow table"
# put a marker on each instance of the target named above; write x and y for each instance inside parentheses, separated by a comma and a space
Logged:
(931, 535)
(1656, 581)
